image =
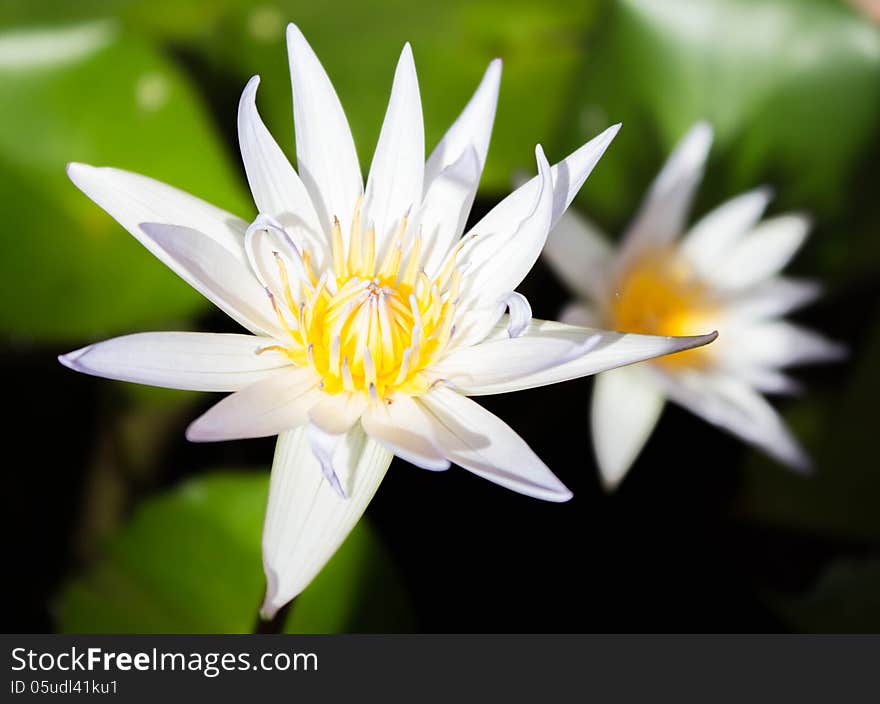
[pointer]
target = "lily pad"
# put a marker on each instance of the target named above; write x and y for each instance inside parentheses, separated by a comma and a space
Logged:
(91, 92)
(189, 562)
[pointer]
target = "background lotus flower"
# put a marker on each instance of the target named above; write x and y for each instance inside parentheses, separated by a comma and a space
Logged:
(723, 273)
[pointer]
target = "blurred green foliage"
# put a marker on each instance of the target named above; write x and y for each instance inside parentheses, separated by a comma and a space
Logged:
(790, 87)
(189, 561)
(94, 94)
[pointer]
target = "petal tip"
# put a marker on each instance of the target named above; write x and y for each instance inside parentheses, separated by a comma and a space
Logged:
(609, 484)
(70, 360)
(251, 86)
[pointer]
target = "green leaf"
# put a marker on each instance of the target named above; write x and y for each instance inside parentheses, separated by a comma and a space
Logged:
(189, 562)
(453, 43)
(92, 93)
(845, 599)
(792, 89)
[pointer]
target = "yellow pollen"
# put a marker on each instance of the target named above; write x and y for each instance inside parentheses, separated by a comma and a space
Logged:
(365, 327)
(660, 294)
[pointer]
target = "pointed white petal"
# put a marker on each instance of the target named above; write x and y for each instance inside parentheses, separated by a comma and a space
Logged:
(503, 361)
(771, 298)
(192, 361)
(131, 199)
(471, 130)
(567, 177)
(763, 252)
(664, 211)
(580, 255)
(394, 187)
(278, 403)
(496, 260)
(407, 430)
(445, 209)
(708, 242)
(778, 343)
(626, 406)
(306, 520)
(453, 171)
(605, 350)
(502, 248)
(732, 405)
(276, 188)
(770, 381)
(222, 278)
(337, 413)
(482, 443)
(326, 158)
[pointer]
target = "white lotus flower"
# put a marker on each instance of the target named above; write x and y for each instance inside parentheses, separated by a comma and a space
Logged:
(372, 319)
(722, 274)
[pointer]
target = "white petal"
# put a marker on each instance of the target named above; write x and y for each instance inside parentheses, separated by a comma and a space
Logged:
(407, 430)
(567, 177)
(770, 381)
(606, 350)
(132, 199)
(337, 413)
(193, 361)
(306, 520)
(504, 245)
(708, 242)
(625, 409)
(763, 252)
(778, 343)
(471, 130)
(502, 361)
(580, 255)
(222, 278)
(394, 187)
(483, 444)
(276, 188)
(519, 312)
(453, 171)
(496, 260)
(323, 448)
(269, 407)
(325, 152)
(771, 298)
(664, 211)
(445, 209)
(732, 405)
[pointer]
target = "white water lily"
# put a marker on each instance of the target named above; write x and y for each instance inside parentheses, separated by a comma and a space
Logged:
(723, 274)
(372, 319)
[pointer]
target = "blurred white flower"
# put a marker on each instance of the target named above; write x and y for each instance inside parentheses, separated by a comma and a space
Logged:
(372, 318)
(723, 274)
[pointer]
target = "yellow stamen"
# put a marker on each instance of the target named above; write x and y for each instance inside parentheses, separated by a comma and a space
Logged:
(338, 248)
(368, 328)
